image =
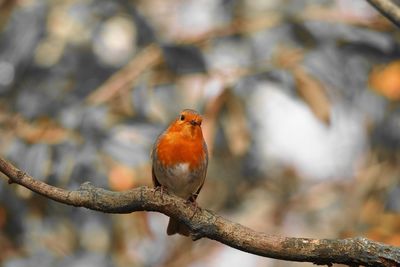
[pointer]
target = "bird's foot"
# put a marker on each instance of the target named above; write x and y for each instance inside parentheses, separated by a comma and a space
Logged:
(192, 202)
(162, 190)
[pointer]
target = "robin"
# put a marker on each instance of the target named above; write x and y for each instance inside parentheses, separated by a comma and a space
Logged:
(180, 160)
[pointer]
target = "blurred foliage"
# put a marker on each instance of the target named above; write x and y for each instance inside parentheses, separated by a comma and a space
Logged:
(301, 118)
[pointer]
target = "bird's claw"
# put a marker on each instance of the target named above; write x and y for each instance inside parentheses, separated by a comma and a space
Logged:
(160, 188)
(192, 202)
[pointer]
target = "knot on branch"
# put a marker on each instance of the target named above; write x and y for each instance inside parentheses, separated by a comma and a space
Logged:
(84, 196)
(206, 225)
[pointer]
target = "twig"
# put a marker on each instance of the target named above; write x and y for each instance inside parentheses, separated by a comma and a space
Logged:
(388, 9)
(125, 77)
(350, 251)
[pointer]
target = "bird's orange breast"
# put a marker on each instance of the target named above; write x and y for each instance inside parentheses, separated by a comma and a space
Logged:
(173, 149)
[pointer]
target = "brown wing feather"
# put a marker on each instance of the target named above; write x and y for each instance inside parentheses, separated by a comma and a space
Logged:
(194, 196)
(153, 156)
(154, 178)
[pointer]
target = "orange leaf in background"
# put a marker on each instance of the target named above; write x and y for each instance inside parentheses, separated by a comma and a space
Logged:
(235, 126)
(211, 113)
(386, 229)
(288, 57)
(310, 89)
(42, 130)
(121, 178)
(386, 80)
(394, 240)
(313, 93)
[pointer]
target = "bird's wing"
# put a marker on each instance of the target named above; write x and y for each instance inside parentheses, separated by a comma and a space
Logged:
(156, 183)
(153, 157)
(194, 196)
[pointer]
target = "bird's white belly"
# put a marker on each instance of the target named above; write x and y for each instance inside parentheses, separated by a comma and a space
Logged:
(180, 180)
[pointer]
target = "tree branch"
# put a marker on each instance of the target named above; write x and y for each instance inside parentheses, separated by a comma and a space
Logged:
(350, 251)
(388, 9)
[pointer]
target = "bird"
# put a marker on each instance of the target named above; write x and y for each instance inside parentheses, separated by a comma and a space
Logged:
(179, 162)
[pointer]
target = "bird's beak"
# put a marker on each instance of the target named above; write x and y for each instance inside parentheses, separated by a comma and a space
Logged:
(193, 122)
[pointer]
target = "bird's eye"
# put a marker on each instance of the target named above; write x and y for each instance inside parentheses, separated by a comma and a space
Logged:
(182, 117)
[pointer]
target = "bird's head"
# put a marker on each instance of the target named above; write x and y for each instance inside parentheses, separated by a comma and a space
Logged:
(188, 123)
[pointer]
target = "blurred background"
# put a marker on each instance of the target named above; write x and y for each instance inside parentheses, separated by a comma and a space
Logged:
(302, 120)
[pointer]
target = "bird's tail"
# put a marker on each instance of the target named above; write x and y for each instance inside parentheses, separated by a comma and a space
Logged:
(176, 227)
